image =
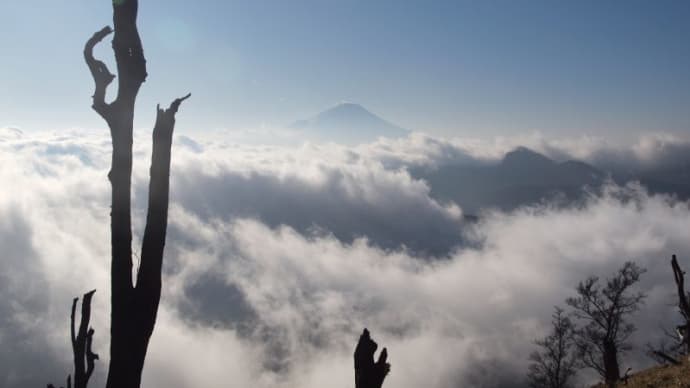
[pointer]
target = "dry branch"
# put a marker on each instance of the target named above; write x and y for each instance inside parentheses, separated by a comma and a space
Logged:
(101, 75)
(82, 340)
(683, 306)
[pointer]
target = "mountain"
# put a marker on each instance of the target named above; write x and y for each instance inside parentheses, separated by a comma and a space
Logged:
(348, 123)
(522, 177)
(526, 167)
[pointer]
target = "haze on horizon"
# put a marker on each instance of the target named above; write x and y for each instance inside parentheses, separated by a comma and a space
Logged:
(448, 68)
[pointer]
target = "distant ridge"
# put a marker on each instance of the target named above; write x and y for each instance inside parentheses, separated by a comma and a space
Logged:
(348, 123)
(522, 177)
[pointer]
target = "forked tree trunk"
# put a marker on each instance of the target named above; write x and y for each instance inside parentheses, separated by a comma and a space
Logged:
(134, 305)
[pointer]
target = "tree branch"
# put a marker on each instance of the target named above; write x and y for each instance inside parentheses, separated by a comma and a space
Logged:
(679, 276)
(665, 357)
(101, 75)
(148, 286)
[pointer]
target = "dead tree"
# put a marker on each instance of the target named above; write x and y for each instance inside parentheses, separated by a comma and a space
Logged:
(84, 357)
(683, 306)
(554, 365)
(679, 346)
(134, 304)
(604, 311)
(369, 374)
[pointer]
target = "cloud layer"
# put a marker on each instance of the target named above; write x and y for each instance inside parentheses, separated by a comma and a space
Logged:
(277, 257)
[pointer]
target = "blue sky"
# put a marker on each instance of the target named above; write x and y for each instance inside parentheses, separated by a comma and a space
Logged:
(461, 68)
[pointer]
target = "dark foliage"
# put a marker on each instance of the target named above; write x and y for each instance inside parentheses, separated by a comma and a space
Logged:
(604, 311)
(554, 365)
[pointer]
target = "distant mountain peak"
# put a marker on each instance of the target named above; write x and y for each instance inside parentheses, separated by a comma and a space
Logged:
(525, 156)
(348, 107)
(11, 133)
(347, 111)
(348, 122)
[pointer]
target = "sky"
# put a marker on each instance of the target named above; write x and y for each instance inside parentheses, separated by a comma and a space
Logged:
(448, 68)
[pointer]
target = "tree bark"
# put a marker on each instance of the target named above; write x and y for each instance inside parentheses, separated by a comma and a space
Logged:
(611, 368)
(134, 305)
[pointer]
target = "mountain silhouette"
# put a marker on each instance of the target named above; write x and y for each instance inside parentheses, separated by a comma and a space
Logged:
(522, 177)
(524, 166)
(348, 123)
(525, 157)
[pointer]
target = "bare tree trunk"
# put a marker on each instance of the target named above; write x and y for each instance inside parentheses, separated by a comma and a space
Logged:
(611, 368)
(84, 357)
(134, 306)
(683, 306)
(369, 374)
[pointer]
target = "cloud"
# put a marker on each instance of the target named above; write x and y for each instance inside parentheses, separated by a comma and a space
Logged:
(348, 199)
(469, 318)
(277, 257)
(652, 150)
(53, 232)
(21, 333)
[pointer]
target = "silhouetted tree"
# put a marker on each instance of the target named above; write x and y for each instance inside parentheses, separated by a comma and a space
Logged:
(84, 357)
(134, 304)
(369, 374)
(604, 311)
(665, 353)
(683, 306)
(554, 365)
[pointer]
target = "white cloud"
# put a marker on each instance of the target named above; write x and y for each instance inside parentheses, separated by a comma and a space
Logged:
(650, 150)
(467, 319)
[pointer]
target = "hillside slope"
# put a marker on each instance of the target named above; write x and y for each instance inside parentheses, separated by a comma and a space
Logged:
(666, 376)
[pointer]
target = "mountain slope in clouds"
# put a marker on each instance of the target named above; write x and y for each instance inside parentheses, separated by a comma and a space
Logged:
(668, 178)
(522, 177)
(348, 123)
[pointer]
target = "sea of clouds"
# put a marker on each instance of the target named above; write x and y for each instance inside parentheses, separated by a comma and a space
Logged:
(277, 257)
